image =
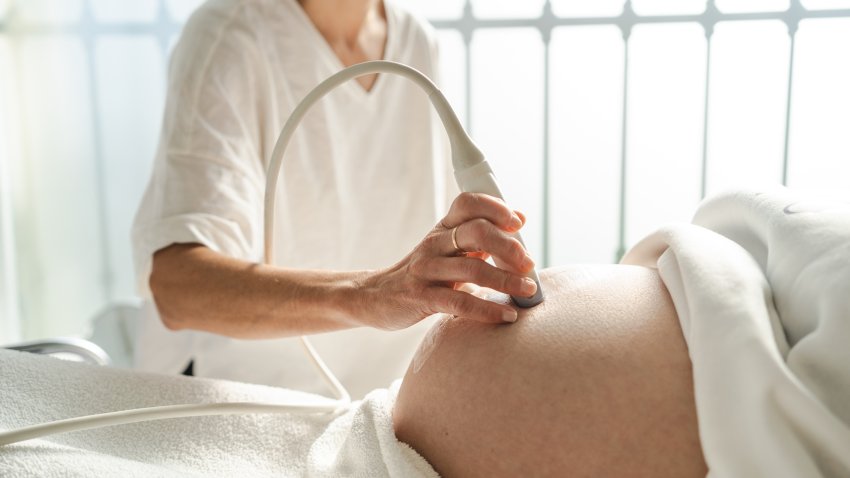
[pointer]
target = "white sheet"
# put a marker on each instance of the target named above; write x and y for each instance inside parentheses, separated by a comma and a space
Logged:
(761, 283)
(34, 389)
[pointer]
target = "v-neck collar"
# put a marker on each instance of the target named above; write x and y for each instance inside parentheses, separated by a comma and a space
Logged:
(333, 60)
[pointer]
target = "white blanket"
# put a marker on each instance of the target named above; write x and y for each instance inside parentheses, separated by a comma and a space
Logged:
(761, 283)
(33, 389)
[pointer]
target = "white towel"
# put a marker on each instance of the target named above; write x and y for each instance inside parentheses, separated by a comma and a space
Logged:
(34, 389)
(761, 283)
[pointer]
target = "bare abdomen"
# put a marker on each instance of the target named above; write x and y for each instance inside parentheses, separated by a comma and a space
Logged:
(596, 381)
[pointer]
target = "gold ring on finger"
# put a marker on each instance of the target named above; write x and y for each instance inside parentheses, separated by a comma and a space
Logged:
(458, 249)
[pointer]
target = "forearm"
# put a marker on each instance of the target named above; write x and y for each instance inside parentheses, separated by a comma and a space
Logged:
(200, 289)
(197, 288)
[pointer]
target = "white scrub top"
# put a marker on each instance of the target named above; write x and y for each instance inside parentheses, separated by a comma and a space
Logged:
(365, 178)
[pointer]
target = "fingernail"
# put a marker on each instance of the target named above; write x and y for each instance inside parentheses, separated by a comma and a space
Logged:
(509, 316)
(528, 287)
(516, 222)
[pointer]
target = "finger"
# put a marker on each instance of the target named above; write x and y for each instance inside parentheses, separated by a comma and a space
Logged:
(478, 272)
(479, 235)
(469, 206)
(481, 255)
(521, 216)
(470, 307)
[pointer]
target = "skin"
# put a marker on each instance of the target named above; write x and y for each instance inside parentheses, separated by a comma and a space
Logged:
(197, 288)
(355, 30)
(595, 381)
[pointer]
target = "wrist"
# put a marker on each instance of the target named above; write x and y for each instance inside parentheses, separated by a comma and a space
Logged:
(315, 301)
(355, 298)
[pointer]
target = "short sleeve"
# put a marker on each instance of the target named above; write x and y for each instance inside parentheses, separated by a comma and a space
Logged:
(208, 179)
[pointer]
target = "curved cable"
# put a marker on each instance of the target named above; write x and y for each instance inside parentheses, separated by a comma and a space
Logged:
(155, 413)
(464, 152)
(464, 155)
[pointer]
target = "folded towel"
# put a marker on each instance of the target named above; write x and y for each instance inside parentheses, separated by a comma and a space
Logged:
(34, 389)
(761, 283)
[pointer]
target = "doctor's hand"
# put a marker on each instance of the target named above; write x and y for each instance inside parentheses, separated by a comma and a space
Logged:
(428, 280)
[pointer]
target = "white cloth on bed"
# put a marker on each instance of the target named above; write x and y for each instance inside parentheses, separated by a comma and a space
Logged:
(34, 389)
(761, 283)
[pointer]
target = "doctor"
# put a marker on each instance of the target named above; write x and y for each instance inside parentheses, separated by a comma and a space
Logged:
(363, 184)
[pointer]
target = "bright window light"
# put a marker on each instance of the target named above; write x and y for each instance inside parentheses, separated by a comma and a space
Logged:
(507, 8)
(749, 85)
(747, 6)
(586, 110)
(47, 12)
(434, 10)
(668, 7)
(819, 150)
(666, 94)
(58, 234)
(452, 70)
(587, 8)
(135, 11)
(69, 200)
(507, 117)
(181, 9)
(128, 141)
(826, 4)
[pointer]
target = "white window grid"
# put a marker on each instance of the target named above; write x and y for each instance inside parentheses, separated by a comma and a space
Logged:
(468, 24)
(165, 28)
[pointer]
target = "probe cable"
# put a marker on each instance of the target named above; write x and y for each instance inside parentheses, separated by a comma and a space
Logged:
(464, 154)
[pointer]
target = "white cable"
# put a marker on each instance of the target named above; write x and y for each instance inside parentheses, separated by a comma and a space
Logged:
(155, 413)
(464, 154)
